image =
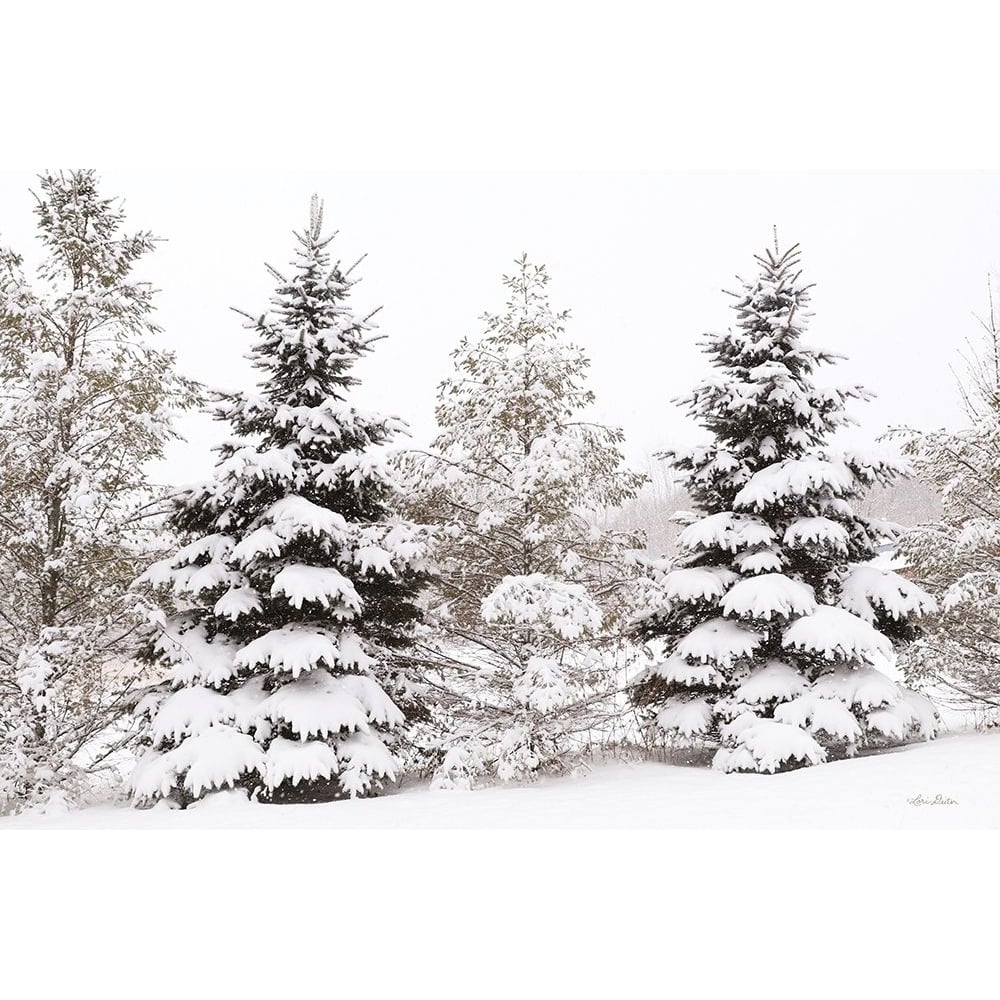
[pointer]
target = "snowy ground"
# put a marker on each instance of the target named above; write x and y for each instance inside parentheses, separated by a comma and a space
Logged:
(952, 782)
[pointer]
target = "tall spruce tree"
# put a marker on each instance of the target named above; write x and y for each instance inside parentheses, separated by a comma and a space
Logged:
(87, 400)
(774, 623)
(296, 586)
(530, 578)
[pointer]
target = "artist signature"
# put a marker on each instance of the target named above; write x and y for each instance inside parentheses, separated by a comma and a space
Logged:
(938, 800)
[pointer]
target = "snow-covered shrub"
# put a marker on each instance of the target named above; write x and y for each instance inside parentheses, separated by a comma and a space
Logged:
(86, 401)
(527, 652)
(957, 555)
(770, 630)
(294, 589)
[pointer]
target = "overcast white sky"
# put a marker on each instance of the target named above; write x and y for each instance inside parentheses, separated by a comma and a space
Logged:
(899, 260)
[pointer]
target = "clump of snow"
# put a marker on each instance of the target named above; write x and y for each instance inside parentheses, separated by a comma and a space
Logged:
(728, 731)
(298, 760)
(864, 687)
(775, 681)
(250, 463)
(363, 755)
(543, 686)
(727, 530)
(189, 711)
(321, 585)
(373, 559)
(766, 746)
(767, 596)
(194, 580)
(719, 641)
(924, 716)
(794, 477)
(215, 546)
(677, 670)
(685, 717)
(294, 515)
(259, 542)
(698, 583)
(767, 560)
(195, 659)
(316, 704)
(837, 634)
(820, 715)
(215, 758)
(816, 530)
(868, 589)
(296, 649)
(910, 713)
(887, 723)
(236, 602)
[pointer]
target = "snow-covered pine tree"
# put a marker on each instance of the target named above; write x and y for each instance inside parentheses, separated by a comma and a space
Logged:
(957, 556)
(297, 582)
(86, 401)
(531, 582)
(775, 622)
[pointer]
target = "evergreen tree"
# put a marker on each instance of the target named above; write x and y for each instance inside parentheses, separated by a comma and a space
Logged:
(295, 589)
(774, 622)
(531, 583)
(957, 555)
(86, 401)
